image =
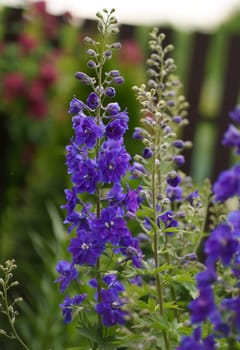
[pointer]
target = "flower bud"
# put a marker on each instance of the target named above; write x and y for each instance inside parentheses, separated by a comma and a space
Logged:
(110, 91)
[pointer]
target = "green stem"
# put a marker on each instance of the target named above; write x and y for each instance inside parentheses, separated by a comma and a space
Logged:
(155, 241)
(11, 321)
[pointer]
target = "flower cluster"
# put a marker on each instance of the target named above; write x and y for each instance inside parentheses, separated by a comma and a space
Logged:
(26, 80)
(222, 250)
(98, 204)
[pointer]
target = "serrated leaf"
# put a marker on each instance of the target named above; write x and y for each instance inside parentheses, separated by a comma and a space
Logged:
(162, 268)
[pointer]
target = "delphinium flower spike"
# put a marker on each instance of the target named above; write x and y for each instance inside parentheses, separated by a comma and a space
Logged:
(217, 306)
(98, 204)
(170, 206)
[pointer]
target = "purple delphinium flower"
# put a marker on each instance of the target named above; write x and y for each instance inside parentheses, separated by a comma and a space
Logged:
(110, 91)
(130, 248)
(179, 144)
(72, 200)
(138, 133)
(76, 106)
(68, 272)
(193, 196)
(221, 245)
(113, 164)
(227, 184)
(234, 219)
(173, 179)
(110, 308)
(86, 130)
(115, 130)
(233, 305)
(147, 153)
(74, 156)
(68, 305)
(206, 278)
(167, 220)
(231, 137)
(109, 227)
(195, 342)
(202, 306)
(86, 248)
(86, 177)
(235, 114)
(174, 193)
(179, 160)
(93, 100)
(132, 200)
(113, 108)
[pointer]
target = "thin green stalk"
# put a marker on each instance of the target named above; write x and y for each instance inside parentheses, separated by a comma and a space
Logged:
(10, 319)
(155, 240)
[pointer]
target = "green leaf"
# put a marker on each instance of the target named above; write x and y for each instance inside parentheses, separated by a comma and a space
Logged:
(163, 267)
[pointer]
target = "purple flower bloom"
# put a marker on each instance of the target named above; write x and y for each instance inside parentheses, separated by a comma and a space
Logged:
(115, 130)
(233, 305)
(179, 144)
(86, 248)
(193, 195)
(110, 92)
(83, 77)
(202, 306)
(93, 100)
(147, 153)
(113, 108)
(196, 343)
(86, 131)
(74, 156)
(227, 184)
(110, 308)
(168, 220)
(174, 193)
(68, 305)
(179, 160)
(68, 272)
(76, 106)
(86, 176)
(130, 248)
(132, 200)
(206, 278)
(231, 137)
(109, 227)
(118, 80)
(235, 114)
(221, 245)
(138, 133)
(234, 219)
(137, 170)
(173, 179)
(177, 119)
(113, 164)
(72, 200)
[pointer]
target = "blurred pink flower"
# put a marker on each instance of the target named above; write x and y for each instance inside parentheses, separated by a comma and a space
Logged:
(131, 52)
(27, 43)
(13, 85)
(47, 74)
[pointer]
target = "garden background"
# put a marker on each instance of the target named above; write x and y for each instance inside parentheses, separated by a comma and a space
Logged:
(39, 54)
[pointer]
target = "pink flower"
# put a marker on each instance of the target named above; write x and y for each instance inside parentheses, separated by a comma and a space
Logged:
(27, 43)
(13, 85)
(48, 74)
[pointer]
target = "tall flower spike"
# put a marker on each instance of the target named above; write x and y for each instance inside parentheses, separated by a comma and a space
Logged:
(97, 161)
(167, 192)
